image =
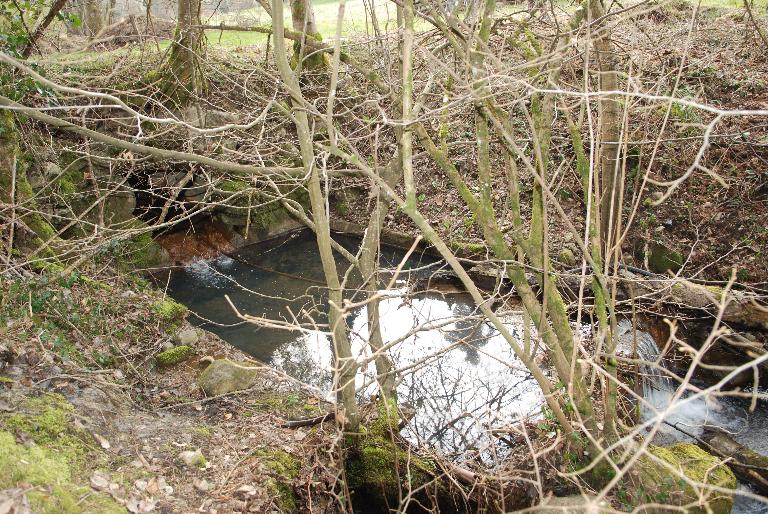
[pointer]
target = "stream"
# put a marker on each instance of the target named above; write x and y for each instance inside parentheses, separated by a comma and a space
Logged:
(463, 378)
(692, 413)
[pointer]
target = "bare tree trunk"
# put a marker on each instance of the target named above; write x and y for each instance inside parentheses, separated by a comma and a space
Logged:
(56, 7)
(610, 130)
(369, 267)
(345, 365)
(183, 73)
(94, 14)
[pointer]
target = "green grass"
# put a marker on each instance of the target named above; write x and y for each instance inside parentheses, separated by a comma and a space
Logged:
(357, 22)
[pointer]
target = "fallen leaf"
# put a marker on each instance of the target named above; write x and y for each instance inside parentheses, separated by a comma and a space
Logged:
(152, 487)
(101, 440)
(100, 481)
(247, 489)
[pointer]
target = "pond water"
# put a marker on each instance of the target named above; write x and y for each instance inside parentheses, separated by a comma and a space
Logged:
(462, 376)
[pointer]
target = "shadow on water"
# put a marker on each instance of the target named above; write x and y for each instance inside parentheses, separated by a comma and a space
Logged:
(462, 377)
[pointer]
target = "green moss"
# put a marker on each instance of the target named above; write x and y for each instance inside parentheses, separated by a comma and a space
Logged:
(141, 251)
(662, 259)
(174, 355)
(234, 186)
(286, 469)
(284, 495)
(46, 419)
(202, 431)
(658, 484)
(380, 466)
(10, 158)
(69, 182)
(467, 248)
(280, 462)
(170, 310)
(55, 462)
(698, 465)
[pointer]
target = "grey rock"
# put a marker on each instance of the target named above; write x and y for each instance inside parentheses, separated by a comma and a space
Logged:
(193, 459)
(186, 336)
(225, 376)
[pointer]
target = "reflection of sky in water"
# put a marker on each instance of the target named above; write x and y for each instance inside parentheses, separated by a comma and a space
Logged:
(477, 381)
(463, 377)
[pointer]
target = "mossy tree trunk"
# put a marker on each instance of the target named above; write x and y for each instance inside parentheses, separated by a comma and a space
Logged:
(183, 74)
(17, 197)
(303, 21)
(94, 17)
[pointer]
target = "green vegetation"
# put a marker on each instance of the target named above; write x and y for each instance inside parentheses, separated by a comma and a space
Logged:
(378, 465)
(657, 483)
(170, 311)
(57, 463)
(284, 469)
(174, 355)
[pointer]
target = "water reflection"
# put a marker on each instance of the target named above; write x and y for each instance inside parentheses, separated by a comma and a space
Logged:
(461, 374)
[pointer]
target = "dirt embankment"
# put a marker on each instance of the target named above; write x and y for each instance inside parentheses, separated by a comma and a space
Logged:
(100, 410)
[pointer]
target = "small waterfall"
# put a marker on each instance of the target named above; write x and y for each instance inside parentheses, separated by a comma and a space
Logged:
(659, 387)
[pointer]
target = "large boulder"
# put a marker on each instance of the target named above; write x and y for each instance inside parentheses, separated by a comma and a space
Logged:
(689, 482)
(225, 376)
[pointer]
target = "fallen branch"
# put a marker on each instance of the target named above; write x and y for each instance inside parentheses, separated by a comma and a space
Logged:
(309, 422)
(741, 307)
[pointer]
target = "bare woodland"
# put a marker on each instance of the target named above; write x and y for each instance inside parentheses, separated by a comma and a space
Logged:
(590, 178)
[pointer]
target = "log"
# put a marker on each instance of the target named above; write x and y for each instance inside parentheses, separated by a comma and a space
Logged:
(742, 307)
(748, 465)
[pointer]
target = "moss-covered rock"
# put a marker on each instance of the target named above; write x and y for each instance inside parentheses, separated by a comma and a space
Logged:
(657, 483)
(170, 310)
(192, 458)
(13, 178)
(225, 376)
(661, 258)
(174, 355)
(141, 251)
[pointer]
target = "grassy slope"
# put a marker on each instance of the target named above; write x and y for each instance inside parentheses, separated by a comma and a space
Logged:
(357, 22)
